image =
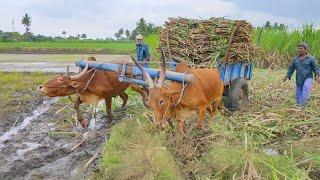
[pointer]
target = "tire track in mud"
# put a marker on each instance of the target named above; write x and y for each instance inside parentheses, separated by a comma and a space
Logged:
(31, 153)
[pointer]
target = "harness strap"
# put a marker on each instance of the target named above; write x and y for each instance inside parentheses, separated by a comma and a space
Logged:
(184, 85)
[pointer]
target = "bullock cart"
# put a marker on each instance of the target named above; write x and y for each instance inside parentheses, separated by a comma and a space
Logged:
(235, 78)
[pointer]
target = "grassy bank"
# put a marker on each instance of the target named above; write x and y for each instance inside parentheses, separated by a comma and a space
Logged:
(271, 139)
(21, 86)
(136, 150)
(68, 47)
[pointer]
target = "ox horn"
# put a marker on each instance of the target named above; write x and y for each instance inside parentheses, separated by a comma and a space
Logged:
(163, 69)
(145, 74)
(77, 76)
(67, 71)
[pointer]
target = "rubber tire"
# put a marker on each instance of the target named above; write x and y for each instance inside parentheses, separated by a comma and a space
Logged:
(238, 94)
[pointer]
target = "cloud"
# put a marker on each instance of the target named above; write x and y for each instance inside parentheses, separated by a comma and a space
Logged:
(260, 18)
(102, 18)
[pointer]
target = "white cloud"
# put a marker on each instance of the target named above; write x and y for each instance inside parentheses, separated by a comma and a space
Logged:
(103, 18)
(259, 18)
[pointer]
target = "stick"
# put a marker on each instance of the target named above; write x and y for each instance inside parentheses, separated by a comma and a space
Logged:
(78, 145)
(230, 42)
(90, 161)
(15, 123)
(57, 112)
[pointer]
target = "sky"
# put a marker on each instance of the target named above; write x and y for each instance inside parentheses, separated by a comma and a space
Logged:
(102, 18)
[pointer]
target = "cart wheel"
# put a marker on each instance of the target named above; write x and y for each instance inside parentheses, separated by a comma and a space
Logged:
(238, 94)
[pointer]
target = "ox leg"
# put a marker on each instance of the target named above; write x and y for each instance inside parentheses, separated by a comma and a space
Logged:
(124, 97)
(142, 92)
(84, 122)
(181, 128)
(202, 115)
(215, 106)
(108, 101)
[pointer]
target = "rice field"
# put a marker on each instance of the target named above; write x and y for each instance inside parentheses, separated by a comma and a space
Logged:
(103, 46)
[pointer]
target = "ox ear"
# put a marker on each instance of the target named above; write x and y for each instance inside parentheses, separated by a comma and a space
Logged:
(74, 84)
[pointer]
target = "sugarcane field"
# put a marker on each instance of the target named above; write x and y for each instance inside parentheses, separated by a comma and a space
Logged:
(217, 89)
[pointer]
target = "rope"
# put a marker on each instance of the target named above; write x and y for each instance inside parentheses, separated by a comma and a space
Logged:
(184, 85)
(95, 70)
(85, 88)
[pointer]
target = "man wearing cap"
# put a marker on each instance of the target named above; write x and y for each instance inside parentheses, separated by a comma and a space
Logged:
(143, 55)
(305, 67)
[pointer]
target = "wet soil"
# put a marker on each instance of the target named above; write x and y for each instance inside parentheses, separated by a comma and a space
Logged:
(39, 147)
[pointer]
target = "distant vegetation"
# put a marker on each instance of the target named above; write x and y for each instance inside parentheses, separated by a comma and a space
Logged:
(277, 44)
(142, 27)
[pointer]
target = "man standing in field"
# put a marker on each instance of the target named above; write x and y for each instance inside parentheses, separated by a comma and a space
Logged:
(143, 55)
(305, 67)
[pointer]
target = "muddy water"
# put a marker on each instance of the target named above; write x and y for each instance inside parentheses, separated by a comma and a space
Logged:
(35, 114)
(55, 63)
(31, 150)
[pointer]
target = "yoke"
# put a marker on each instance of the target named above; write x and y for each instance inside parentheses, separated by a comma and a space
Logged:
(130, 73)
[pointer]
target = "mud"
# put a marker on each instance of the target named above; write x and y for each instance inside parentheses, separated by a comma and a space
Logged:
(39, 148)
(38, 140)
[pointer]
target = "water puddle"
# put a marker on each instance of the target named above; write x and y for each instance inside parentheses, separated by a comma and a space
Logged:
(35, 114)
(30, 146)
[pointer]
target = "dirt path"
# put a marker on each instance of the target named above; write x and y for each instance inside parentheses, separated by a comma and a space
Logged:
(36, 148)
(55, 63)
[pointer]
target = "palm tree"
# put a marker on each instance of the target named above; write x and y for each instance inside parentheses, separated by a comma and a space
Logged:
(26, 21)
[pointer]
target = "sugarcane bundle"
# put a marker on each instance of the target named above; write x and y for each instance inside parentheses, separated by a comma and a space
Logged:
(202, 43)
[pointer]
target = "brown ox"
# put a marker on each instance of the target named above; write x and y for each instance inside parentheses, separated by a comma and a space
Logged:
(91, 86)
(179, 103)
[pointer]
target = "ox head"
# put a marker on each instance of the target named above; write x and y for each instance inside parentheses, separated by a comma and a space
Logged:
(62, 85)
(159, 97)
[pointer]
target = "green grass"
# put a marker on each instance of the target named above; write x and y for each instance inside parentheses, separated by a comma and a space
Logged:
(282, 45)
(112, 46)
(17, 89)
(136, 150)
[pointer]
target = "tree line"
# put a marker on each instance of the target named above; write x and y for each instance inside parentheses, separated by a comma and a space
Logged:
(142, 27)
(29, 36)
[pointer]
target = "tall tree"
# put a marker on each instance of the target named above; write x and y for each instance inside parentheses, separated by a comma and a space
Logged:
(26, 21)
(83, 36)
(121, 31)
(78, 36)
(144, 28)
(127, 34)
(119, 34)
(267, 25)
(64, 33)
